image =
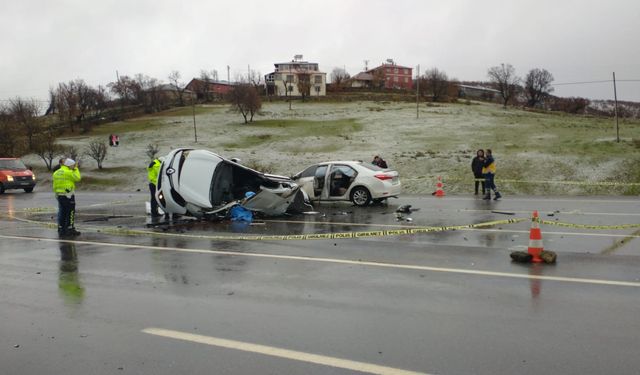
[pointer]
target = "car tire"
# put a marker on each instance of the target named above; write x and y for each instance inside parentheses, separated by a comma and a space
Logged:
(360, 196)
(28, 190)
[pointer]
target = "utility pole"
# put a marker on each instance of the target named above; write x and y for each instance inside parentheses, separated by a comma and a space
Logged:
(248, 73)
(193, 106)
(615, 97)
(228, 80)
(418, 91)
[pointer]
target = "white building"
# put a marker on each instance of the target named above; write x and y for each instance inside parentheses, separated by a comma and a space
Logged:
(291, 76)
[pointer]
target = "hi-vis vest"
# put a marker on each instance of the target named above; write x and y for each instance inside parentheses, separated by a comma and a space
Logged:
(153, 170)
(491, 168)
(64, 180)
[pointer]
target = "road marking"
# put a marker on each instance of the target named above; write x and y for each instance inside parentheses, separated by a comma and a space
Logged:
(516, 199)
(339, 261)
(272, 351)
(575, 212)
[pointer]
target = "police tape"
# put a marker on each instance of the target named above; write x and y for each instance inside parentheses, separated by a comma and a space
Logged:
(545, 182)
(288, 237)
(317, 236)
(589, 226)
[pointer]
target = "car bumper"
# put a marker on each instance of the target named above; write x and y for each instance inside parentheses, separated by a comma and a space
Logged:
(388, 191)
(18, 184)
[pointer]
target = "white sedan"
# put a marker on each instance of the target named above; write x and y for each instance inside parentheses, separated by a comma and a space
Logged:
(355, 181)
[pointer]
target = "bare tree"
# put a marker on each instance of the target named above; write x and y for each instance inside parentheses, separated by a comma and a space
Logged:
(51, 108)
(125, 89)
(537, 86)
(436, 84)
(245, 100)
(24, 113)
(378, 79)
(304, 84)
(10, 139)
(46, 148)
(71, 152)
(505, 80)
(339, 76)
(97, 151)
(152, 150)
(174, 79)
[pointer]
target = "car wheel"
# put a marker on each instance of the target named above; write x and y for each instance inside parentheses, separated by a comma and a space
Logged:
(28, 190)
(1, 188)
(360, 196)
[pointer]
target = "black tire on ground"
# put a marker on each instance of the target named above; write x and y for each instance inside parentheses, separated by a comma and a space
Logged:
(360, 196)
(28, 190)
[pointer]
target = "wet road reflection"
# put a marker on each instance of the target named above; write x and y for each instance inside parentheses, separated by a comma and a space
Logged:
(69, 284)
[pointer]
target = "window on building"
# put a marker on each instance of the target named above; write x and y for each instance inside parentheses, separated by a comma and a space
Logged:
(289, 77)
(290, 87)
(395, 70)
(278, 77)
(406, 71)
(317, 79)
(406, 79)
(395, 79)
(318, 89)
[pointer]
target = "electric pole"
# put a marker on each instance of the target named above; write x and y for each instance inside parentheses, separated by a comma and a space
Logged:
(228, 80)
(615, 97)
(193, 107)
(417, 91)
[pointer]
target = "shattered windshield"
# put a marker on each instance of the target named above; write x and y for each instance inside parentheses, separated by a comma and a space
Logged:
(12, 164)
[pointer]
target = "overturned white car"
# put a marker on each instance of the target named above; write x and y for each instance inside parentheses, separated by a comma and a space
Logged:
(203, 184)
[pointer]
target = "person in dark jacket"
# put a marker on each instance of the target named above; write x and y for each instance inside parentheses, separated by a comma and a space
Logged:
(377, 160)
(476, 166)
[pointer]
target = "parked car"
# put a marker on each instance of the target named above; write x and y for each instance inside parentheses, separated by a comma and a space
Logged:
(203, 184)
(355, 181)
(15, 175)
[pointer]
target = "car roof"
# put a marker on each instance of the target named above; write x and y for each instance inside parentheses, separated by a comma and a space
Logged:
(341, 162)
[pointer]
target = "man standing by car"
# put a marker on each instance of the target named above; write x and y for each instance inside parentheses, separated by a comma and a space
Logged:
(476, 166)
(153, 170)
(64, 187)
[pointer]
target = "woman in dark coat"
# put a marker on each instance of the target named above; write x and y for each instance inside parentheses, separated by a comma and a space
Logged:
(476, 166)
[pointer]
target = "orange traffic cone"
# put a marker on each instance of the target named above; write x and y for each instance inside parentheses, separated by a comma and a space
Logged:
(439, 192)
(535, 239)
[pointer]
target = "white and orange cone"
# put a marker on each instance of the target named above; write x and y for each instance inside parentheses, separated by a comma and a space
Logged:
(535, 239)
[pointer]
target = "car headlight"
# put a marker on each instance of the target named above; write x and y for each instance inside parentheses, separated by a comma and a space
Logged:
(9, 178)
(33, 177)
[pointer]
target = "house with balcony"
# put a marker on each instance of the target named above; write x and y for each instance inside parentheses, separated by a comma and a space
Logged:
(289, 78)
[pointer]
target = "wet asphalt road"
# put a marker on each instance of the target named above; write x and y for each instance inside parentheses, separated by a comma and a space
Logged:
(446, 303)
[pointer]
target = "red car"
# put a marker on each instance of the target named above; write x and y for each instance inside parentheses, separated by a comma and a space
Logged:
(15, 175)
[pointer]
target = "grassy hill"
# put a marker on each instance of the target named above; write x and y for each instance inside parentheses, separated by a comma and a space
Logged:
(528, 146)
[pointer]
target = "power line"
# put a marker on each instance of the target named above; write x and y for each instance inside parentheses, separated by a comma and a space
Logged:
(590, 82)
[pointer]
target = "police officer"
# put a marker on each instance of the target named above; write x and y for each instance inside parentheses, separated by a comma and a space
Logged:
(153, 170)
(64, 187)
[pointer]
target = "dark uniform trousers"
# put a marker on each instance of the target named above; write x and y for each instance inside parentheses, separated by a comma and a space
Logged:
(66, 213)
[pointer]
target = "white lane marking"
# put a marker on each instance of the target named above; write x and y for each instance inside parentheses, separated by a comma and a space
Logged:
(272, 351)
(340, 261)
(516, 199)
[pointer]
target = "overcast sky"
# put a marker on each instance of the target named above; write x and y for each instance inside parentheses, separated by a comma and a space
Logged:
(45, 42)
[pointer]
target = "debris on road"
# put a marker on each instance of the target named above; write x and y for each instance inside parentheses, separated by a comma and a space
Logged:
(503, 212)
(548, 256)
(521, 257)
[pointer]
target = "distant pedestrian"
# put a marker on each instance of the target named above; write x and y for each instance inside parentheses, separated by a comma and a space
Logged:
(111, 140)
(377, 160)
(64, 187)
(489, 172)
(476, 166)
(117, 140)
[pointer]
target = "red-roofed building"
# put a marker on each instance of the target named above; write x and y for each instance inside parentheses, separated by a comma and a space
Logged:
(389, 75)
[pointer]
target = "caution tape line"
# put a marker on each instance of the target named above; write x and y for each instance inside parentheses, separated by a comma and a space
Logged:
(557, 182)
(314, 236)
(319, 236)
(588, 226)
